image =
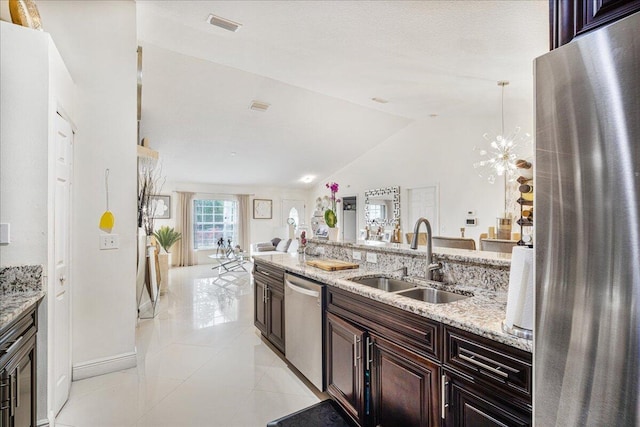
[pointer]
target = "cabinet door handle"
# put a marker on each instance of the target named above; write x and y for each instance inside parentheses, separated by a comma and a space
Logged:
(369, 353)
(17, 386)
(12, 394)
(355, 351)
(443, 398)
(266, 273)
(484, 366)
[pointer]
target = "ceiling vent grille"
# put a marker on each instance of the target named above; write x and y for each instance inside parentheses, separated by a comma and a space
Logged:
(259, 106)
(223, 23)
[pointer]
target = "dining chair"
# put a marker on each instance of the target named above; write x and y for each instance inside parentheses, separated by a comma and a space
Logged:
(454, 242)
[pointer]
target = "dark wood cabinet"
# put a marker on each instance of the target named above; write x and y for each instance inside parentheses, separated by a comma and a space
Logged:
(268, 310)
(344, 370)
(275, 310)
(468, 405)
(571, 18)
(405, 386)
(18, 371)
(374, 370)
(389, 367)
(260, 307)
(486, 383)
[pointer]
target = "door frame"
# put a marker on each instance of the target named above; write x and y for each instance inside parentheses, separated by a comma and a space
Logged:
(50, 309)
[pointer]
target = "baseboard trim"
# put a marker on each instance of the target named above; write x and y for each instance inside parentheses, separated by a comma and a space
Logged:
(104, 365)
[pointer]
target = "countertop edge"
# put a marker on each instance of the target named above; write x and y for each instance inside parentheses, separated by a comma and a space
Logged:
(491, 316)
(19, 303)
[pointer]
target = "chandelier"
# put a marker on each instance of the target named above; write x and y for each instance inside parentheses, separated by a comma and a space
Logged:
(499, 158)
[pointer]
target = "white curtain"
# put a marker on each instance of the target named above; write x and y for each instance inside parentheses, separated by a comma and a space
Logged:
(244, 222)
(184, 224)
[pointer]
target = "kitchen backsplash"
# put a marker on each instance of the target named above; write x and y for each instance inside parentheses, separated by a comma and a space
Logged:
(486, 270)
(23, 278)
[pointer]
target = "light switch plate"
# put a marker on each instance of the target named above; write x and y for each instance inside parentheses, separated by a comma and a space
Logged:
(109, 241)
(357, 256)
(5, 234)
(372, 257)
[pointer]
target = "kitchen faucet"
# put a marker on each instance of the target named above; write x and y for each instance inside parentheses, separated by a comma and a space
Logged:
(430, 266)
(402, 270)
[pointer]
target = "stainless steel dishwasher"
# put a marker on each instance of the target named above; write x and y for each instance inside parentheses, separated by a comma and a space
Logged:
(303, 306)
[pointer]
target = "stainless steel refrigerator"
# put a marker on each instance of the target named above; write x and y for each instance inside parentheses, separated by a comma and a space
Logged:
(587, 237)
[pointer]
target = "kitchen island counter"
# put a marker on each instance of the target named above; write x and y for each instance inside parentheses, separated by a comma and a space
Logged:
(482, 313)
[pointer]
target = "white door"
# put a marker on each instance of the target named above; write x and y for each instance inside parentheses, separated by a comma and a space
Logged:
(60, 303)
(294, 209)
(423, 202)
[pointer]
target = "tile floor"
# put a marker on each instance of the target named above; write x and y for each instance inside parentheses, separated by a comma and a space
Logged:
(201, 362)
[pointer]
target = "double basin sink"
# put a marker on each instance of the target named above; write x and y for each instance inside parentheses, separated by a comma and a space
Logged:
(410, 290)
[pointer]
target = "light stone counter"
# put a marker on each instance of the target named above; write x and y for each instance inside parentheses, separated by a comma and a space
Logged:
(482, 313)
(20, 288)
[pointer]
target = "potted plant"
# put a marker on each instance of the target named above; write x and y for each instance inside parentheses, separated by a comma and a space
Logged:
(165, 236)
(331, 214)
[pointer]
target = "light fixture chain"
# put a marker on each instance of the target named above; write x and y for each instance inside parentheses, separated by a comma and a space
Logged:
(503, 110)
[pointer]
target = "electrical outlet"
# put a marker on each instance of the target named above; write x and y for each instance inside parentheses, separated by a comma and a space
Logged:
(357, 256)
(5, 234)
(372, 257)
(109, 241)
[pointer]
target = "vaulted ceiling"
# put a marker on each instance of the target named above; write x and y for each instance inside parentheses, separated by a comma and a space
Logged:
(319, 64)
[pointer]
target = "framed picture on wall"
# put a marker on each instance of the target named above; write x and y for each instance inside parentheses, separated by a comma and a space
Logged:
(160, 206)
(262, 208)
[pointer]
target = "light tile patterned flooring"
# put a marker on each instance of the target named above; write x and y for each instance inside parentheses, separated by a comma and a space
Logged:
(201, 362)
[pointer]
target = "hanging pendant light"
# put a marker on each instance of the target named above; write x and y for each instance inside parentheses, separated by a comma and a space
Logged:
(499, 158)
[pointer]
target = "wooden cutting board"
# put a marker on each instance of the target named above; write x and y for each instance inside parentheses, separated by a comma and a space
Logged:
(331, 264)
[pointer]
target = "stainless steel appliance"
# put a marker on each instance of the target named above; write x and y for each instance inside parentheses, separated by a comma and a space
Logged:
(303, 307)
(587, 339)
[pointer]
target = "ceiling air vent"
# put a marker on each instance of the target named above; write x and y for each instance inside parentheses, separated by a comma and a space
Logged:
(259, 106)
(223, 23)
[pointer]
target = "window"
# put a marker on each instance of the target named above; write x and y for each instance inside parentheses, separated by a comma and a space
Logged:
(377, 212)
(213, 219)
(293, 214)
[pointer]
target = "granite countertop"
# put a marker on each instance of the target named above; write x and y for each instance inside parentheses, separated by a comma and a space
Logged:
(481, 314)
(20, 288)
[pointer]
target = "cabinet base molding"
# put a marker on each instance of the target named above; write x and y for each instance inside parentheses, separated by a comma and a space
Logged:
(105, 365)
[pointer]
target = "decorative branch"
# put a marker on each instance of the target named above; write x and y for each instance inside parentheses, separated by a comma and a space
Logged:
(150, 183)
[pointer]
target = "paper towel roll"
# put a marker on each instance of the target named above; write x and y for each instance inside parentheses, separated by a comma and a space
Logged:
(520, 297)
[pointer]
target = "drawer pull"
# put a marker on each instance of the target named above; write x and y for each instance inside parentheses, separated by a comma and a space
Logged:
(15, 344)
(479, 364)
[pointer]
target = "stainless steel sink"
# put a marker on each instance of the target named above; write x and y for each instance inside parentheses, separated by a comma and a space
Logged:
(433, 296)
(385, 283)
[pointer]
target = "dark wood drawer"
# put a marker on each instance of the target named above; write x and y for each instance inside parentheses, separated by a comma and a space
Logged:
(414, 332)
(18, 332)
(268, 271)
(489, 362)
(272, 276)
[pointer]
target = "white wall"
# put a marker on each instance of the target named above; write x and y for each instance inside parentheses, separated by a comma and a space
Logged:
(24, 134)
(261, 229)
(97, 41)
(434, 151)
(34, 84)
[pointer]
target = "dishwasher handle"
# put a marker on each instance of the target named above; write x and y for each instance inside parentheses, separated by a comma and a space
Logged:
(302, 290)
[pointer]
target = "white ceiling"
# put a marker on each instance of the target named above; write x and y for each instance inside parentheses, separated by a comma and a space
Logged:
(319, 63)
